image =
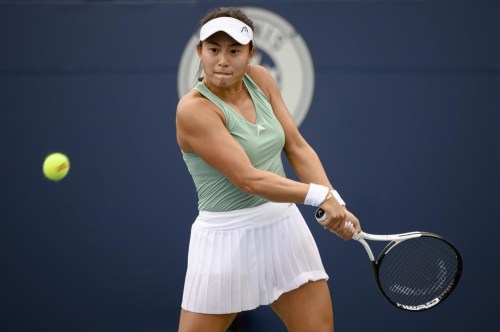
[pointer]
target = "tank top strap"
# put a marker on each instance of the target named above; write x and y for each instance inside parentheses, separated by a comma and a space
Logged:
(205, 91)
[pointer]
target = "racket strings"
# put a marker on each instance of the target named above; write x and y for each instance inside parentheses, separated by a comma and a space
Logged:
(418, 271)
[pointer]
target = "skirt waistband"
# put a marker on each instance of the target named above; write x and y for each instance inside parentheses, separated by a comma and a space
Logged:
(257, 216)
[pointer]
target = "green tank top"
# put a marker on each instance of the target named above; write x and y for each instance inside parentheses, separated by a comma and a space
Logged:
(263, 142)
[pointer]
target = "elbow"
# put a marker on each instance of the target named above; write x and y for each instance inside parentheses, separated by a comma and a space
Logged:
(247, 184)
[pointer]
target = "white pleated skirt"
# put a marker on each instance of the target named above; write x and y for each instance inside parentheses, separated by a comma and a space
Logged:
(241, 259)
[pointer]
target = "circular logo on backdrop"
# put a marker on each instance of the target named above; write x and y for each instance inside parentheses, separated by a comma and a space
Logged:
(279, 48)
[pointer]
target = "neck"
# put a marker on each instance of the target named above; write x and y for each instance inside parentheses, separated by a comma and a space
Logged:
(221, 92)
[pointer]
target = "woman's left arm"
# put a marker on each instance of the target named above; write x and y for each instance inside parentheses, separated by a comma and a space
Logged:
(302, 157)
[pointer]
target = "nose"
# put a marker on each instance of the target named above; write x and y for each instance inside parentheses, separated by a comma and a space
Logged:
(223, 59)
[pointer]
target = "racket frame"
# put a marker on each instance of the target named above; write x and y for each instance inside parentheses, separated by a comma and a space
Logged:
(395, 239)
(392, 238)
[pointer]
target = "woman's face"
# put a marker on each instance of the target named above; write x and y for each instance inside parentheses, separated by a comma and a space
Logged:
(224, 60)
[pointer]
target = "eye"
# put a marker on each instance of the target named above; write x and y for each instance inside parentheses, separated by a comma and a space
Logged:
(213, 49)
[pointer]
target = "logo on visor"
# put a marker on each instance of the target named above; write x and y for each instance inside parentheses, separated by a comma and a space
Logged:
(279, 48)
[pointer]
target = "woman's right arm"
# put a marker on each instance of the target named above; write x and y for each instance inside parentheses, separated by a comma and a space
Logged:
(201, 129)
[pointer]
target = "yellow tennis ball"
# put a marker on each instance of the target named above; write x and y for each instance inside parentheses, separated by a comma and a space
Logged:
(56, 166)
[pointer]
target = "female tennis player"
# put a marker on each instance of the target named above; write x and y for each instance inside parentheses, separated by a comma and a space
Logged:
(250, 245)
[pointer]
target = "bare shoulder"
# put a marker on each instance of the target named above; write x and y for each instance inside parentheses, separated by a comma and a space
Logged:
(196, 119)
(189, 101)
(196, 114)
(263, 78)
(260, 74)
(194, 106)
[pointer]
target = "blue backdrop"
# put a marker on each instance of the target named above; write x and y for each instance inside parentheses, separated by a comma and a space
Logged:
(404, 117)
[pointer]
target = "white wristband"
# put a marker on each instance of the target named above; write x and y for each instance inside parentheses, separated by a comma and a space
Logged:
(316, 194)
(337, 197)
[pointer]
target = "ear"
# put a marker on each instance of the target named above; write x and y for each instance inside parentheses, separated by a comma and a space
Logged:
(252, 53)
(198, 48)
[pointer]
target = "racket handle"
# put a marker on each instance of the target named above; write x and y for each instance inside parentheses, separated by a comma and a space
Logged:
(320, 215)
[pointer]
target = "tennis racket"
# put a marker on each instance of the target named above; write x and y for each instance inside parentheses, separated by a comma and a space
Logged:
(415, 271)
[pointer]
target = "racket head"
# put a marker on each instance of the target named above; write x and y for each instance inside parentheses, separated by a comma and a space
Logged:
(418, 273)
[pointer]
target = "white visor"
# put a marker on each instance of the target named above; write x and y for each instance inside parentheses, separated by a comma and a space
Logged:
(238, 30)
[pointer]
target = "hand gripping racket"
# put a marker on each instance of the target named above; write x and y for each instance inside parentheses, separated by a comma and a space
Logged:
(415, 271)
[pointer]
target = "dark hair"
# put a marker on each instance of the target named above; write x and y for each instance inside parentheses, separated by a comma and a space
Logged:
(228, 12)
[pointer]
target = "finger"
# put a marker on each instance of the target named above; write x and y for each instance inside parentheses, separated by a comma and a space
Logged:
(342, 232)
(357, 226)
(349, 226)
(325, 225)
(323, 222)
(352, 229)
